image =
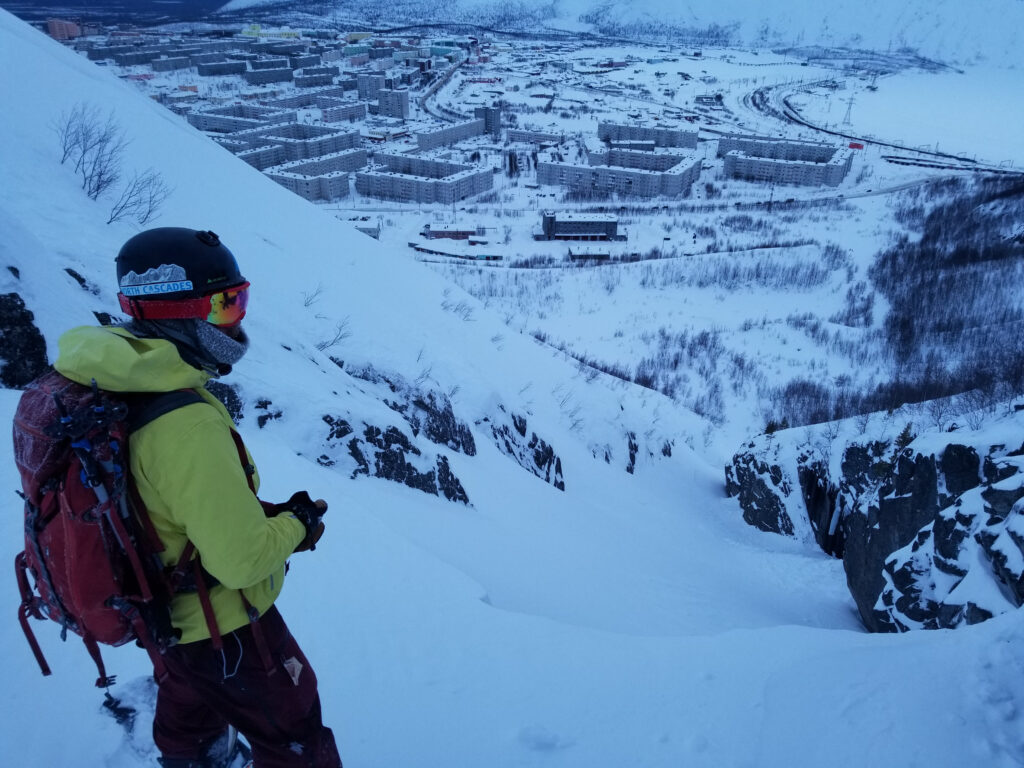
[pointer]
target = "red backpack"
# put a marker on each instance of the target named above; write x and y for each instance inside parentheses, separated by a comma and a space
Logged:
(90, 550)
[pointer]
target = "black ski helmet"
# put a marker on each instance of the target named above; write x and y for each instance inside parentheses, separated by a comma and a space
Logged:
(168, 271)
(170, 263)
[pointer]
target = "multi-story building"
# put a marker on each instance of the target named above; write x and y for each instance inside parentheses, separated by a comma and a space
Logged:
(603, 180)
(578, 226)
(304, 60)
(315, 77)
(322, 178)
(220, 68)
(135, 58)
(615, 133)
(269, 64)
(534, 137)
(238, 117)
(59, 29)
(491, 117)
(305, 98)
(276, 144)
(414, 179)
(394, 103)
(264, 76)
(342, 112)
(623, 172)
(450, 134)
(781, 161)
(169, 65)
(369, 84)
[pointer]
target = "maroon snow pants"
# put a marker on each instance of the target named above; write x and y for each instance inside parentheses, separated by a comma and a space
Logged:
(279, 714)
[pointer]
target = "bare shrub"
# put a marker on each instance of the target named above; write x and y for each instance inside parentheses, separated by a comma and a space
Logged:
(341, 332)
(140, 198)
(96, 145)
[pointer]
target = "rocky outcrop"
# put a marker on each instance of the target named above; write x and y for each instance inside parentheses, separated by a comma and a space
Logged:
(426, 411)
(930, 530)
(762, 492)
(531, 452)
(23, 356)
(389, 454)
(431, 413)
(386, 454)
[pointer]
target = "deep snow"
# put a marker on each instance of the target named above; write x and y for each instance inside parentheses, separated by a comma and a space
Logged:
(631, 620)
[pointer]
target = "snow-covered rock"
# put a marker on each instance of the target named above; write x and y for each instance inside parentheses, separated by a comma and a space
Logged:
(928, 527)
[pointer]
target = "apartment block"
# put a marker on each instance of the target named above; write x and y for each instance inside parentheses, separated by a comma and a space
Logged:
(602, 179)
(264, 76)
(214, 69)
(831, 173)
(615, 133)
(343, 112)
(206, 58)
(265, 155)
(534, 137)
(777, 149)
(780, 161)
(491, 117)
(578, 226)
(304, 60)
(450, 134)
(59, 29)
(169, 65)
(100, 52)
(308, 98)
(239, 117)
(135, 58)
(323, 178)
(268, 146)
(414, 179)
(369, 84)
(394, 103)
(314, 79)
(269, 64)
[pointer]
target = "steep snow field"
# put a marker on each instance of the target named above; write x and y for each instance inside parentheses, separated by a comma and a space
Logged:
(630, 620)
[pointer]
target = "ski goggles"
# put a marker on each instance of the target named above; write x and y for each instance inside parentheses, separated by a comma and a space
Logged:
(224, 308)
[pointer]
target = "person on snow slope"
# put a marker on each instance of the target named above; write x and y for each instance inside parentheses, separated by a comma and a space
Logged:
(236, 664)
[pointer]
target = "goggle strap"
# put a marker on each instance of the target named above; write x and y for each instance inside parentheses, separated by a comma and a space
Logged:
(157, 309)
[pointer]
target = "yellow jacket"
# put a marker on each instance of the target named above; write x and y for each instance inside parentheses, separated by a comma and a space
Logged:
(187, 470)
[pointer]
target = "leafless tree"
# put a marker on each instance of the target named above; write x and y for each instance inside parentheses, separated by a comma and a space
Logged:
(102, 148)
(341, 332)
(141, 197)
(95, 144)
(68, 128)
(939, 410)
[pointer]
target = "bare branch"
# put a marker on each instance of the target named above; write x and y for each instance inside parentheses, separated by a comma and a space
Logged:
(141, 197)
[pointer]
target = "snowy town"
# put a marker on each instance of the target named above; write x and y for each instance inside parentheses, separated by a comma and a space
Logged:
(464, 129)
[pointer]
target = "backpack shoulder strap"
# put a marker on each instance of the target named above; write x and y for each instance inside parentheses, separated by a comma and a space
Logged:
(152, 408)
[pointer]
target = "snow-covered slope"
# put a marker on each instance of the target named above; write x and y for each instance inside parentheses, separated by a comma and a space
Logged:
(945, 30)
(630, 619)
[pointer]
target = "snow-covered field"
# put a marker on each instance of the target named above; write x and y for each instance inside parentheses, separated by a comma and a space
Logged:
(632, 619)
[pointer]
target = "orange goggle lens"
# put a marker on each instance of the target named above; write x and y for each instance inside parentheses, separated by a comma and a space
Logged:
(228, 307)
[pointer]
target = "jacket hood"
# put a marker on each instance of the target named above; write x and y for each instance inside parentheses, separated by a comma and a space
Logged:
(122, 362)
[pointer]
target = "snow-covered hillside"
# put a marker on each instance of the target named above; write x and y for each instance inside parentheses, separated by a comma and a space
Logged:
(944, 30)
(629, 619)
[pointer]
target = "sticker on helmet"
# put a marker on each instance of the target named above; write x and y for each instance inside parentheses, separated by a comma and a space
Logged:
(167, 278)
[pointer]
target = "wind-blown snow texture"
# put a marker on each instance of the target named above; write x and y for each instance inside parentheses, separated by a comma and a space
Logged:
(631, 619)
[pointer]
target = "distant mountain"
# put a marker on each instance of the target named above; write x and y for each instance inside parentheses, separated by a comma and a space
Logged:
(939, 29)
(116, 11)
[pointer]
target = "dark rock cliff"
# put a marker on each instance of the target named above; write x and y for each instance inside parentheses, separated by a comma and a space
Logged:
(930, 530)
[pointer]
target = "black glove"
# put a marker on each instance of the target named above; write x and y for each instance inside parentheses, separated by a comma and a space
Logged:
(309, 513)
